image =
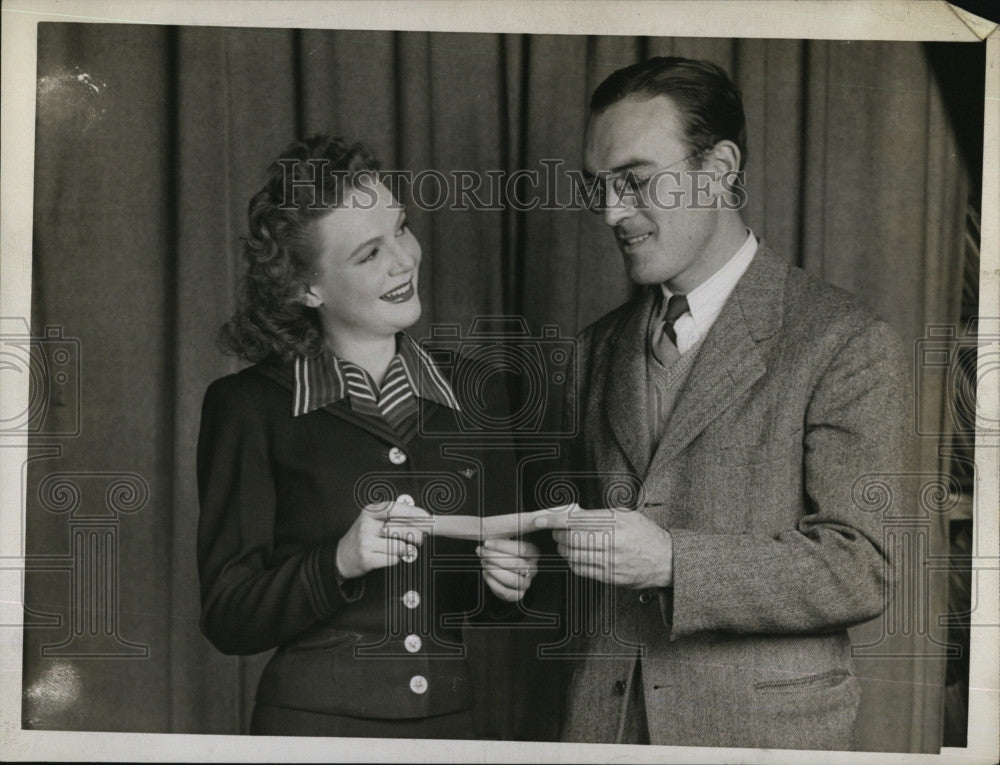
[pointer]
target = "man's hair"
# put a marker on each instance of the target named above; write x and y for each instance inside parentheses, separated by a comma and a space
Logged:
(310, 178)
(710, 105)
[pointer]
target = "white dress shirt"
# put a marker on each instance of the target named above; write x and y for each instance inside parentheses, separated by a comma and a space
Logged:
(706, 300)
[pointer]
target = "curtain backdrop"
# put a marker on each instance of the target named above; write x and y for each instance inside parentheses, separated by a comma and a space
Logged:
(149, 143)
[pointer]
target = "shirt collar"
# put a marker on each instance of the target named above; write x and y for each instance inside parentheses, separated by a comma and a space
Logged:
(706, 300)
(321, 380)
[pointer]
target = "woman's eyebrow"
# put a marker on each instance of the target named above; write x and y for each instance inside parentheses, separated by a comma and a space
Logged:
(366, 243)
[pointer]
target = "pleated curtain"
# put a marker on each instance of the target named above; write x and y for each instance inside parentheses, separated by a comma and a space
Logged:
(141, 185)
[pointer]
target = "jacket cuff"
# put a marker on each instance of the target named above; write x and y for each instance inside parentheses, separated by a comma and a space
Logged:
(336, 589)
(498, 609)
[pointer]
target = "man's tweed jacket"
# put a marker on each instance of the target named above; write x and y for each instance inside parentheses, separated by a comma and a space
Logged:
(792, 422)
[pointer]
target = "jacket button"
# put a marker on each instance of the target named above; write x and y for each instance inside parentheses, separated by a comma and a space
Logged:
(620, 687)
(411, 599)
(405, 499)
(412, 643)
(645, 596)
(418, 684)
(396, 456)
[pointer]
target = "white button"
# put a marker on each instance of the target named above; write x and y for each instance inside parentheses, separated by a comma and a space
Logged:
(410, 556)
(405, 499)
(413, 643)
(411, 599)
(396, 456)
(418, 684)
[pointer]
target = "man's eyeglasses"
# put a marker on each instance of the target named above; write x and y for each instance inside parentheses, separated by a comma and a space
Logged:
(628, 186)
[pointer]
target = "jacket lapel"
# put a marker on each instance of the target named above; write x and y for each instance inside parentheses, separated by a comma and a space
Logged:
(342, 408)
(625, 385)
(729, 361)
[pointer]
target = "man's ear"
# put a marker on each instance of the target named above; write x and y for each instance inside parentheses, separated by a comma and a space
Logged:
(310, 298)
(723, 158)
(723, 162)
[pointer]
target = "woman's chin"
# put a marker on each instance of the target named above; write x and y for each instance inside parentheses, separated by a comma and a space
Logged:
(407, 314)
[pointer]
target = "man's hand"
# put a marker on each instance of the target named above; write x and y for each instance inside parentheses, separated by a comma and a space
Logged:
(509, 565)
(621, 547)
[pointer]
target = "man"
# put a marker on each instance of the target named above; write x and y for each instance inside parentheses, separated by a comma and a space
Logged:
(749, 400)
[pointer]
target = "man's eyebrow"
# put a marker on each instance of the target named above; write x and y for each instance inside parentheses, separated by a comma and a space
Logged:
(630, 164)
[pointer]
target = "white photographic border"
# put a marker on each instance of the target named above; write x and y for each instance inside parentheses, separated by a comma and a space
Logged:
(818, 19)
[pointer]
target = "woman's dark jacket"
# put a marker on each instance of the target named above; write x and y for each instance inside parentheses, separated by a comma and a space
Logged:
(278, 492)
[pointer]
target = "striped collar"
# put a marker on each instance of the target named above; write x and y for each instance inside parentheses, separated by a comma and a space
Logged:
(325, 379)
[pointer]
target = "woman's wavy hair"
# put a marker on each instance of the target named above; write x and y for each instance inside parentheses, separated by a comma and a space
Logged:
(310, 178)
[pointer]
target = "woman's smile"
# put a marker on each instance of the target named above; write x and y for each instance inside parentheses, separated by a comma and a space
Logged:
(400, 294)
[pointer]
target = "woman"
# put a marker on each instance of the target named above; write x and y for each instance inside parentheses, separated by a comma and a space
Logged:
(305, 457)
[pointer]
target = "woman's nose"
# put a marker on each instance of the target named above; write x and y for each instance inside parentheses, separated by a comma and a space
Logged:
(407, 254)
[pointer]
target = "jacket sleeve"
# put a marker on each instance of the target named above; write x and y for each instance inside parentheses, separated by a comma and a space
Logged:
(833, 569)
(250, 600)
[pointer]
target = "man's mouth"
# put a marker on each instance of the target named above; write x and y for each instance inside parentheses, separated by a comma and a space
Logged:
(632, 241)
(399, 295)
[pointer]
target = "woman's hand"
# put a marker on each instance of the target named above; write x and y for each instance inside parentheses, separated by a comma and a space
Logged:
(509, 565)
(373, 542)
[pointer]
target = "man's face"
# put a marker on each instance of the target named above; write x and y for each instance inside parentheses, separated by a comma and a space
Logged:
(661, 235)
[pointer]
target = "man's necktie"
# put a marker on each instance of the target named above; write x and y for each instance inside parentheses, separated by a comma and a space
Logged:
(664, 341)
(677, 306)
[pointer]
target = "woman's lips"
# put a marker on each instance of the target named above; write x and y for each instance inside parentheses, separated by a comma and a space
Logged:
(400, 294)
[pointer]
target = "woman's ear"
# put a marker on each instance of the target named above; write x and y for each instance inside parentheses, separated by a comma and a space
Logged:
(310, 298)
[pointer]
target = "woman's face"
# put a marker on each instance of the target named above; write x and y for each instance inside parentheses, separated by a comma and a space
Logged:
(365, 281)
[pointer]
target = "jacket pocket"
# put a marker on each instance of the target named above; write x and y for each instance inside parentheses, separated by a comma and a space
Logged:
(822, 681)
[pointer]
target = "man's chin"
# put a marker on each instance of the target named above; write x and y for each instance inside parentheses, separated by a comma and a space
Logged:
(645, 276)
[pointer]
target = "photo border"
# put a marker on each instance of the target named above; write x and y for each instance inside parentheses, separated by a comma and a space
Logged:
(818, 19)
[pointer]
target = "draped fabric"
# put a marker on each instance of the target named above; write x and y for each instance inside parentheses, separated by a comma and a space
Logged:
(141, 184)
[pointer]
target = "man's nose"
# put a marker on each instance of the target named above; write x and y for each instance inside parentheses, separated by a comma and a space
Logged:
(616, 207)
